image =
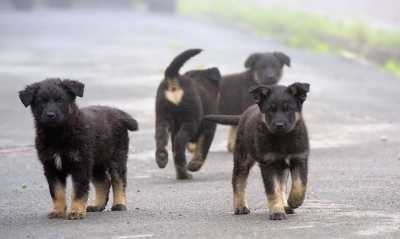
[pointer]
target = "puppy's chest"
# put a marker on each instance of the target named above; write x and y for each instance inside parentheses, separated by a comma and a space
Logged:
(285, 159)
(63, 161)
(269, 150)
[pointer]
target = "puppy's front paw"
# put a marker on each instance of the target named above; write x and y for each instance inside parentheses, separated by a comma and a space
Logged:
(277, 216)
(242, 211)
(184, 176)
(194, 165)
(76, 215)
(162, 158)
(56, 214)
(94, 209)
(289, 210)
(119, 207)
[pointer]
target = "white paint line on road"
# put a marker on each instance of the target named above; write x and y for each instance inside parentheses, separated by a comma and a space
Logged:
(135, 236)
(142, 176)
(299, 227)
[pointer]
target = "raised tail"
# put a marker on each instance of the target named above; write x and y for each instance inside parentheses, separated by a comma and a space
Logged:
(223, 119)
(129, 122)
(172, 70)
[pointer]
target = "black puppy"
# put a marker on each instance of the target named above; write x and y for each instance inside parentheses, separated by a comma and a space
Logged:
(273, 134)
(181, 103)
(89, 144)
(262, 69)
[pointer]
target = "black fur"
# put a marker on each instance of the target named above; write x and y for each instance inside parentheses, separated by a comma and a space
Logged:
(89, 144)
(181, 117)
(262, 69)
(273, 134)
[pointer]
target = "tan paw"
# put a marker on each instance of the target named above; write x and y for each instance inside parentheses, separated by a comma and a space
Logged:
(76, 215)
(194, 165)
(56, 214)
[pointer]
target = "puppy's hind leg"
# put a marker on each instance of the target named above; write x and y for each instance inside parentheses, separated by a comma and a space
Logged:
(161, 143)
(232, 139)
(118, 181)
(101, 182)
(203, 146)
(183, 136)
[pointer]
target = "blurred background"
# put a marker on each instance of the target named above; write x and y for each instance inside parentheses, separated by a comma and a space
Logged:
(363, 29)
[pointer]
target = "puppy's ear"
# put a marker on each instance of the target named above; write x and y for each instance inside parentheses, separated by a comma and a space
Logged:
(251, 60)
(283, 58)
(76, 88)
(299, 90)
(26, 96)
(259, 93)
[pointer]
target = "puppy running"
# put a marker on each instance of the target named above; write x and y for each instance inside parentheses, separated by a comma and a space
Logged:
(273, 134)
(90, 144)
(262, 69)
(181, 103)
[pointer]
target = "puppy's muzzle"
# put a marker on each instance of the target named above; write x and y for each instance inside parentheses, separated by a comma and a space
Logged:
(280, 128)
(51, 116)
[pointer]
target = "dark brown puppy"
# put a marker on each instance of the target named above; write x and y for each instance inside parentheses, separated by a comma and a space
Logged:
(273, 134)
(262, 69)
(89, 144)
(181, 103)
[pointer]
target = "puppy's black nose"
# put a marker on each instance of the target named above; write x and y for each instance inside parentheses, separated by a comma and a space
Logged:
(280, 125)
(51, 115)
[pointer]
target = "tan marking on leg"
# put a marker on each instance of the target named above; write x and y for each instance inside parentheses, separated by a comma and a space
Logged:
(78, 207)
(297, 193)
(198, 153)
(284, 187)
(198, 157)
(174, 92)
(119, 193)
(59, 202)
(101, 193)
(275, 200)
(232, 139)
(239, 194)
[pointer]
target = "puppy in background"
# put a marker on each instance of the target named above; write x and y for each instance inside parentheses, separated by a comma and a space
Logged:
(90, 144)
(181, 103)
(274, 135)
(262, 69)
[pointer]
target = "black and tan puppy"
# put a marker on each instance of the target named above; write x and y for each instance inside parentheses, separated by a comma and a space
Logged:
(90, 144)
(181, 103)
(274, 135)
(262, 69)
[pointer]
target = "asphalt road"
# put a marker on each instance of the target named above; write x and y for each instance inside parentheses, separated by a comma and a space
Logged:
(352, 114)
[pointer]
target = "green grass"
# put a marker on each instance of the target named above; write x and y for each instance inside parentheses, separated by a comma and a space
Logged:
(303, 30)
(393, 66)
